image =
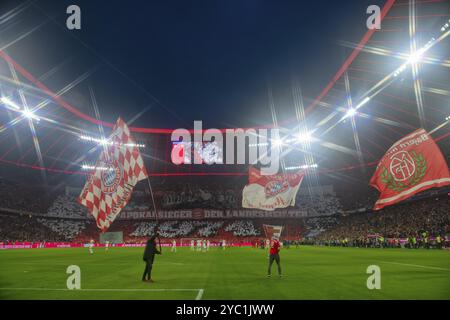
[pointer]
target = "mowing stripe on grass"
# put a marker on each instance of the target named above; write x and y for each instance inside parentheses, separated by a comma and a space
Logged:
(198, 296)
(416, 265)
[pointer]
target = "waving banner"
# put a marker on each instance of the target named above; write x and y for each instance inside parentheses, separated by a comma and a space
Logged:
(270, 192)
(119, 168)
(272, 231)
(413, 164)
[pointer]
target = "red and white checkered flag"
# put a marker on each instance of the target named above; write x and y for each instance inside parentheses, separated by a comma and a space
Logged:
(118, 169)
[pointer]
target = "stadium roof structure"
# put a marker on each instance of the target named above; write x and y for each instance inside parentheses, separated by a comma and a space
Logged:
(395, 80)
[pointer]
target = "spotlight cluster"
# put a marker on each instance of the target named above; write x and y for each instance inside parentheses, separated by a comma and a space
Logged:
(90, 167)
(106, 142)
(445, 26)
(11, 105)
(304, 167)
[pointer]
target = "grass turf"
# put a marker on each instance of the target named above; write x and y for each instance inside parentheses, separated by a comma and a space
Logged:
(235, 273)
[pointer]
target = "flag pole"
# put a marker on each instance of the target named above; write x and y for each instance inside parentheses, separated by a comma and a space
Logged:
(153, 199)
(154, 208)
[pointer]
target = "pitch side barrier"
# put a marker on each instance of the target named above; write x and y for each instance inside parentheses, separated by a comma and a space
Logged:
(47, 245)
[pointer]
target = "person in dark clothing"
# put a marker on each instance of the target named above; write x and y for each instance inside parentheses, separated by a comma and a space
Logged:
(149, 256)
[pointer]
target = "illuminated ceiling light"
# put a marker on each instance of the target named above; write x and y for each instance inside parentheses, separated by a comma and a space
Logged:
(447, 118)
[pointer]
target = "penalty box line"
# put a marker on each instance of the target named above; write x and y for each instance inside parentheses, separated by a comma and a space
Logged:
(197, 297)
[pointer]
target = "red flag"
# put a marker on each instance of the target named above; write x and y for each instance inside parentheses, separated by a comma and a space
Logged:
(272, 231)
(271, 192)
(119, 168)
(413, 164)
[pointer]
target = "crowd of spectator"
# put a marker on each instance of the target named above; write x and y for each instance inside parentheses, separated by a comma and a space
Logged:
(210, 228)
(418, 222)
(144, 229)
(319, 205)
(25, 228)
(29, 215)
(315, 226)
(199, 198)
(178, 229)
(66, 206)
(68, 229)
(242, 228)
(23, 198)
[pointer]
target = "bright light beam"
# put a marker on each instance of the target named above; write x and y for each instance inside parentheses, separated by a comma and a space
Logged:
(8, 102)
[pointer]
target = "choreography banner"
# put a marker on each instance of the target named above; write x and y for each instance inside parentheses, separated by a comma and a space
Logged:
(413, 164)
(270, 192)
(119, 168)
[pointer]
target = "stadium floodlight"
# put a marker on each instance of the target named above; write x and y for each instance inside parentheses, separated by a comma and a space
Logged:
(416, 56)
(258, 144)
(444, 27)
(277, 142)
(88, 167)
(9, 103)
(304, 167)
(350, 113)
(103, 141)
(30, 115)
(447, 118)
(304, 137)
(137, 145)
(365, 100)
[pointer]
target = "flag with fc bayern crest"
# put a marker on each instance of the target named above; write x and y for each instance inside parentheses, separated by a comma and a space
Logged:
(118, 169)
(413, 164)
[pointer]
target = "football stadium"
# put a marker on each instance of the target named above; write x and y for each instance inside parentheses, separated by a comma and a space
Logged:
(225, 150)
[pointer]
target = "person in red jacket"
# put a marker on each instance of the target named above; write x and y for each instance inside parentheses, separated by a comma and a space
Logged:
(274, 254)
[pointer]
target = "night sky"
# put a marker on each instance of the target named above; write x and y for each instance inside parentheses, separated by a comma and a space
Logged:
(206, 60)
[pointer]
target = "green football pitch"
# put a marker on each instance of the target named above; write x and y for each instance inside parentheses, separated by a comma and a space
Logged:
(235, 273)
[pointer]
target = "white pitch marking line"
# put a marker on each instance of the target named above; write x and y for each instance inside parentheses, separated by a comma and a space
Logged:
(198, 297)
(199, 294)
(416, 265)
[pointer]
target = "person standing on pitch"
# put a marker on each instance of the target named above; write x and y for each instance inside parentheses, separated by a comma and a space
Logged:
(149, 256)
(204, 245)
(91, 247)
(174, 246)
(274, 254)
